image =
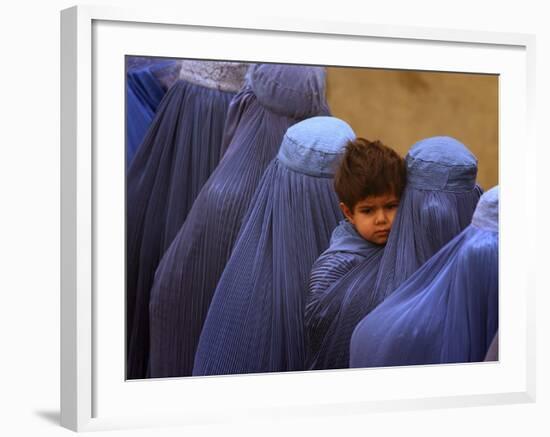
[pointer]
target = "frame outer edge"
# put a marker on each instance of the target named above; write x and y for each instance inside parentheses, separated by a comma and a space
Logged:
(76, 174)
(76, 256)
(533, 283)
(281, 23)
(68, 335)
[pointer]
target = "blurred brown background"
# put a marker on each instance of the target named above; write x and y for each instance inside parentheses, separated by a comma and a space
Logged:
(401, 107)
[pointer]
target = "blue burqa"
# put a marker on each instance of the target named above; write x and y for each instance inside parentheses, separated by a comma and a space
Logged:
(146, 85)
(181, 149)
(347, 249)
(255, 321)
(447, 312)
(437, 204)
(275, 97)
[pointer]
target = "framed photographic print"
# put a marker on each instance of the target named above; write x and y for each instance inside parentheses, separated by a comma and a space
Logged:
(198, 164)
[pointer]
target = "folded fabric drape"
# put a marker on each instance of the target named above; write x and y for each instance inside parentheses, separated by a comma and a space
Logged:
(274, 98)
(447, 312)
(347, 249)
(144, 91)
(181, 149)
(255, 321)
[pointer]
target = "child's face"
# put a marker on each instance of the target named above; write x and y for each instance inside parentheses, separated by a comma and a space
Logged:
(373, 217)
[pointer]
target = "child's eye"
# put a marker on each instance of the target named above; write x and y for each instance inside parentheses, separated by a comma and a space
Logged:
(392, 206)
(366, 210)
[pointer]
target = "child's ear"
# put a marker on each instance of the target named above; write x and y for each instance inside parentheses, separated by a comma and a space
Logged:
(347, 212)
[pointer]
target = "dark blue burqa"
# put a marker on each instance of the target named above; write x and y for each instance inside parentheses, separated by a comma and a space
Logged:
(437, 204)
(255, 321)
(146, 85)
(181, 149)
(275, 97)
(447, 312)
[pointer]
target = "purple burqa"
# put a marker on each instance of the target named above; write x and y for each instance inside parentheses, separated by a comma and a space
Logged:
(274, 98)
(179, 152)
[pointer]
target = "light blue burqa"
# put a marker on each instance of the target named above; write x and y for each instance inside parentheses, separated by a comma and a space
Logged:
(255, 322)
(447, 312)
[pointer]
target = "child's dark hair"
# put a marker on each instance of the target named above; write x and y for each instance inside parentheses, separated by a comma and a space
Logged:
(368, 169)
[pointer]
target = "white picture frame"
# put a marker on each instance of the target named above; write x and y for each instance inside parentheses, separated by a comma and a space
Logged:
(93, 395)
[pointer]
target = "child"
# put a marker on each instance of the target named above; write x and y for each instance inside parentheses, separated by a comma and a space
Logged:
(369, 182)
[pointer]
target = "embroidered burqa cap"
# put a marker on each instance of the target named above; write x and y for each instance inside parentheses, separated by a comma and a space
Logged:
(220, 75)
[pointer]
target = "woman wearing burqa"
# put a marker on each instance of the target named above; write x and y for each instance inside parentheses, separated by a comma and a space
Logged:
(255, 321)
(181, 149)
(447, 312)
(275, 97)
(437, 204)
(147, 80)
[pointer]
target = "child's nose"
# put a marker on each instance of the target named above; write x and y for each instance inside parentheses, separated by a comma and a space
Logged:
(381, 216)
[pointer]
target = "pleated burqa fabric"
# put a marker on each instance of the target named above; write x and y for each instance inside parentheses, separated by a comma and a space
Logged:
(255, 321)
(144, 91)
(437, 204)
(181, 149)
(347, 249)
(275, 97)
(447, 312)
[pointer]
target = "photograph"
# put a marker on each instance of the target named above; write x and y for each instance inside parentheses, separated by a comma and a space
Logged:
(288, 217)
